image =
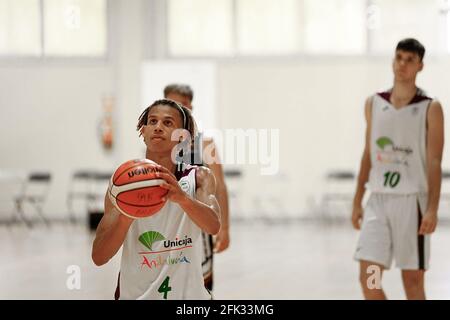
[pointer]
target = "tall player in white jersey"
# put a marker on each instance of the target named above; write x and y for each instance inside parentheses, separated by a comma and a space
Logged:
(172, 268)
(401, 165)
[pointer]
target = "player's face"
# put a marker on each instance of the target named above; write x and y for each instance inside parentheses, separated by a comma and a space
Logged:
(185, 101)
(161, 122)
(406, 65)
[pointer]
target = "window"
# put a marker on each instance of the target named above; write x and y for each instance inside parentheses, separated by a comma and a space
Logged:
(53, 27)
(20, 24)
(249, 27)
(420, 19)
(200, 27)
(334, 26)
(290, 27)
(268, 27)
(75, 27)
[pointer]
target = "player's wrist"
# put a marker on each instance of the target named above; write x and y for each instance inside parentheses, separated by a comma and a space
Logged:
(431, 211)
(185, 200)
(357, 204)
(124, 220)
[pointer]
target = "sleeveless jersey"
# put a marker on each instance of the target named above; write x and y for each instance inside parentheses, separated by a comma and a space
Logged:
(162, 254)
(398, 145)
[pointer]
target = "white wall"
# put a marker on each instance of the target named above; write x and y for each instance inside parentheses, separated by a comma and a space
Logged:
(318, 106)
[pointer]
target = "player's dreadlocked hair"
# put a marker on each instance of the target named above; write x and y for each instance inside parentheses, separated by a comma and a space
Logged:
(186, 116)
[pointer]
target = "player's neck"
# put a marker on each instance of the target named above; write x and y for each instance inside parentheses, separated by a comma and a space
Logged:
(162, 159)
(402, 93)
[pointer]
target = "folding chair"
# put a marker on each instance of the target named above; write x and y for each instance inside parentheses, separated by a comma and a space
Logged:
(79, 188)
(11, 183)
(95, 207)
(34, 192)
(88, 186)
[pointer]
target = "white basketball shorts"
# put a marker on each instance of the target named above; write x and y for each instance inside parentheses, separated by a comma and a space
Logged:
(390, 230)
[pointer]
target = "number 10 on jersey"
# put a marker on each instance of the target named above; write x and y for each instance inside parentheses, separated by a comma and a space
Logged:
(391, 179)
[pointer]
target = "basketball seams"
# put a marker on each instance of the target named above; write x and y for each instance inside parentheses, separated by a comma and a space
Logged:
(116, 190)
(147, 187)
(139, 205)
(125, 170)
(157, 206)
(131, 204)
(128, 168)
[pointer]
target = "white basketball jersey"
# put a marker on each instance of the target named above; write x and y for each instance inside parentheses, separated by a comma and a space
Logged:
(162, 254)
(398, 145)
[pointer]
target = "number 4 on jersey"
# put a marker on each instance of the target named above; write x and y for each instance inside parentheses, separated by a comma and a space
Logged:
(391, 179)
(164, 287)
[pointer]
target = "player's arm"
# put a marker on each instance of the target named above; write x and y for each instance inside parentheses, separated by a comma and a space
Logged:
(203, 209)
(364, 170)
(435, 146)
(223, 237)
(110, 234)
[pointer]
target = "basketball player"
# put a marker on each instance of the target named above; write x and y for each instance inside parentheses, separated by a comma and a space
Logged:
(402, 165)
(183, 94)
(172, 269)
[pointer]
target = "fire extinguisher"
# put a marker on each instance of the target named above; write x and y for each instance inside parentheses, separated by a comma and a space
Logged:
(106, 124)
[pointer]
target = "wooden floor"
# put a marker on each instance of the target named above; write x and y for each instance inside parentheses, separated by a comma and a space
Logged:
(300, 260)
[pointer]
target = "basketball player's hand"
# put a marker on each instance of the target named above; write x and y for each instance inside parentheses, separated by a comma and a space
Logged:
(429, 222)
(110, 210)
(357, 216)
(222, 240)
(175, 193)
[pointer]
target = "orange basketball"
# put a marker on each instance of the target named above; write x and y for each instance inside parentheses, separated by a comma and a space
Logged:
(135, 190)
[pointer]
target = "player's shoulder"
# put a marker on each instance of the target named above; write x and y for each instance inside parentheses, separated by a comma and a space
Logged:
(185, 171)
(384, 94)
(435, 103)
(369, 103)
(202, 172)
(435, 110)
(208, 141)
(204, 176)
(421, 95)
(378, 95)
